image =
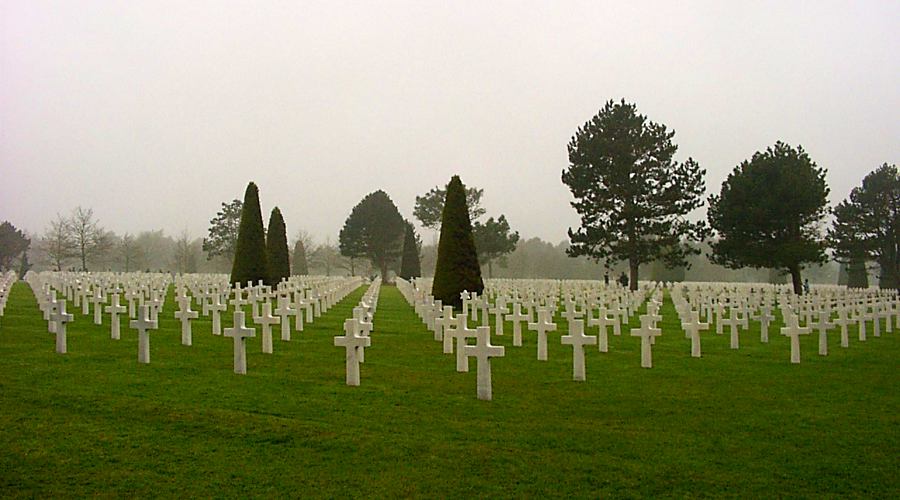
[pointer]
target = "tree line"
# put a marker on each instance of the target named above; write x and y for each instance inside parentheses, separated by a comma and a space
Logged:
(634, 200)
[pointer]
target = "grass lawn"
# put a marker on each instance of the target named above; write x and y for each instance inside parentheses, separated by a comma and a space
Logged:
(741, 423)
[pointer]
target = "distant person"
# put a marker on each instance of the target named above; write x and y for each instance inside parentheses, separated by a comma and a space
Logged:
(606, 279)
(806, 286)
(623, 280)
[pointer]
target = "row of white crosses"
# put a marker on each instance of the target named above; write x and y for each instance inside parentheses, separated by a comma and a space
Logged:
(357, 333)
(448, 328)
(93, 289)
(536, 311)
(314, 295)
(297, 296)
(6, 281)
(826, 308)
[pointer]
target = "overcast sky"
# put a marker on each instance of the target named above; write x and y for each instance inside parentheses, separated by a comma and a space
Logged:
(153, 113)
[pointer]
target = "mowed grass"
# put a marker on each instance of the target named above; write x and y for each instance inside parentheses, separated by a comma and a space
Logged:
(742, 423)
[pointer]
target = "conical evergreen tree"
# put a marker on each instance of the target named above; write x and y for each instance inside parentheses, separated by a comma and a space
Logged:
(410, 266)
(457, 266)
(300, 266)
(277, 249)
(250, 263)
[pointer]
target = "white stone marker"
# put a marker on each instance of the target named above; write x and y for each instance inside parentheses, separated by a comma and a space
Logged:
(444, 324)
(793, 330)
(99, 301)
(85, 302)
(299, 306)
(765, 319)
(733, 322)
(602, 321)
(843, 321)
(461, 333)
(142, 324)
(693, 328)
(365, 328)
(483, 351)
(114, 310)
(517, 318)
(876, 320)
(60, 318)
(577, 339)
(266, 320)
(239, 333)
(185, 314)
(215, 308)
(498, 311)
(542, 326)
(285, 311)
(822, 325)
(353, 343)
(646, 332)
(861, 321)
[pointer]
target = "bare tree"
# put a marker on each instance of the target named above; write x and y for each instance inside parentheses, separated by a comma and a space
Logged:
(328, 257)
(91, 241)
(185, 258)
(130, 252)
(57, 242)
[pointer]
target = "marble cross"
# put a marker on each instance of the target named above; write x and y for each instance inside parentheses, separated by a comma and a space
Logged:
(577, 339)
(483, 351)
(240, 333)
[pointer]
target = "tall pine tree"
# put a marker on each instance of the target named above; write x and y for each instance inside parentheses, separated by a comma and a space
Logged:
(630, 193)
(410, 265)
(769, 211)
(867, 226)
(374, 229)
(277, 249)
(457, 268)
(250, 263)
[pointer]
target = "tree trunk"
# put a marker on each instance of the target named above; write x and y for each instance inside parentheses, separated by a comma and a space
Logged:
(794, 269)
(633, 274)
(384, 265)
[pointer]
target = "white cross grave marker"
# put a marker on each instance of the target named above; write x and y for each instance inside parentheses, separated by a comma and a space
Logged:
(793, 330)
(483, 351)
(543, 325)
(60, 318)
(114, 310)
(517, 318)
(240, 333)
(185, 314)
(142, 325)
(353, 344)
(577, 339)
(266, 320)
(646, 332)
(693, 328)
(285, 311)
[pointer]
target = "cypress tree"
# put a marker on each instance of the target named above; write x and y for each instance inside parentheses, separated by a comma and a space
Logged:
(277, 249)
(410, 266)
(457, 266)
(250, 250)
(300, 265)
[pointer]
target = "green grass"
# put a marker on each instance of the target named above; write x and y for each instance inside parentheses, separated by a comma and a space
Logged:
(741, 423)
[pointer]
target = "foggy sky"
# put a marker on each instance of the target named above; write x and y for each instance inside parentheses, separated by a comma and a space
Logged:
(153, 113)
